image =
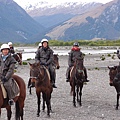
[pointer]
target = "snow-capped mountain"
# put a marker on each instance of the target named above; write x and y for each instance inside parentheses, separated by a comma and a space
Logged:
(46, 5)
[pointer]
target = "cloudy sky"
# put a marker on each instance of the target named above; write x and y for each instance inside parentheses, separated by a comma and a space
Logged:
(24, 2)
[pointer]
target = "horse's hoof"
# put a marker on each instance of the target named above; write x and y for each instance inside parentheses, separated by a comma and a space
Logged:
(116, 108)
(74, 105)
(111, 84)
(51, 111)
(38, 115)
(48, 115)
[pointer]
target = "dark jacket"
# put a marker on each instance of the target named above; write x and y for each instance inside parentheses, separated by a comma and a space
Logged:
(44, 56)
(7, 67)
(74, 53)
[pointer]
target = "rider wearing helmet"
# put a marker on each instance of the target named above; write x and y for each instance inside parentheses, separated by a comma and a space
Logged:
(74, 53)
(11, 47)
(39, 45)
(45, 56)
(7, 66)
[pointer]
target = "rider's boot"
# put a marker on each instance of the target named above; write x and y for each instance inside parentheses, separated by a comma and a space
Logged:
(85, 72)
(68, 75)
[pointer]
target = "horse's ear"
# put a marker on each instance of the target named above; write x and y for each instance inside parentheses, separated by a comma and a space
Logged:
(30, 64)
(108, 67)
(38, 63)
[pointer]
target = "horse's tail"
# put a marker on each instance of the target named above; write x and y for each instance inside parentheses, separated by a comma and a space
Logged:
(17, 111)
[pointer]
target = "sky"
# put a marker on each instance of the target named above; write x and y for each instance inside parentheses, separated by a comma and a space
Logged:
(24, 2)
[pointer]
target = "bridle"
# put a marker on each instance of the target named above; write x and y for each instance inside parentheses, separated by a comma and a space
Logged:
(39, 73)
(78, 72)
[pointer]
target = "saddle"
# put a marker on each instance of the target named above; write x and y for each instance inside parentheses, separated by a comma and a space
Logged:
(4, 91)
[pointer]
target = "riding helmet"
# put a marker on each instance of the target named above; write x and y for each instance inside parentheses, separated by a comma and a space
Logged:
(5, 46)
(44, 40)
(76, 44)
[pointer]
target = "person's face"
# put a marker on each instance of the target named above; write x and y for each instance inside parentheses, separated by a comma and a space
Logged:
(45, 44)
(10, 45)
(5, 51)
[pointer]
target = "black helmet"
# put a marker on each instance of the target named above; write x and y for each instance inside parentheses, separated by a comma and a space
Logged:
(76, 44)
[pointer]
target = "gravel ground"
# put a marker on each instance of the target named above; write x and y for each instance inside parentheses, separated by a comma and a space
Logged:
(98, 98)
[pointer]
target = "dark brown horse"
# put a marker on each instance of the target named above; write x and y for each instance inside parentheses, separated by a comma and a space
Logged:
(41, 76)
(19, 100)
(113, 82)
(57, 66)
(56, 61)
(76, 80)
(18, 58)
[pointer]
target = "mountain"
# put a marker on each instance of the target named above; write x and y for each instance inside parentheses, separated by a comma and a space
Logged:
(50, 15)
(102, 22)
(16, 25)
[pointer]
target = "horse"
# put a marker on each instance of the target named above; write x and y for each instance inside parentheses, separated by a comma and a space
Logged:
(56, 66)
(77, 78)
(18, 57)
(40, 75)
(112, 74)
(56, 61)
(19, 100)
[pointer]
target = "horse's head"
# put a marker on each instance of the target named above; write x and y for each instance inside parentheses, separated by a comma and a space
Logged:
(18, 58)
(112, 74)
(79, 65)
(35, 71)
(56, 61)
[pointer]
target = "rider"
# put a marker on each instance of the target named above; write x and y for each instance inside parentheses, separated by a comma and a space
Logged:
(11, 47)
(74, 53)
(39, 45)
(45, 56)
(7, 66)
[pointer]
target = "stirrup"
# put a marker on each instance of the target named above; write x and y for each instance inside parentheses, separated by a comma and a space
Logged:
(54, 86)
(67, 80)
(11, 102)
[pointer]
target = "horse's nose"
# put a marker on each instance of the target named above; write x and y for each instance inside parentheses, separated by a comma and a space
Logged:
(58, 67)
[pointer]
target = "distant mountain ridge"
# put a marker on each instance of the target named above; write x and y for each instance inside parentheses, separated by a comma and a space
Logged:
(16, 25)
(102, 22)
(50, 15)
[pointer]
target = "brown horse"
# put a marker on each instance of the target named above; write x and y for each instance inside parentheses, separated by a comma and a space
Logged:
(56, 61)
(112, 74)
(19, 100)
(41, 76)
(57, 66)
(18, 57)
(76, 80)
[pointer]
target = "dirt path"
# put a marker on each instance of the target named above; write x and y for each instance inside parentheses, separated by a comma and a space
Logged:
(98, 99)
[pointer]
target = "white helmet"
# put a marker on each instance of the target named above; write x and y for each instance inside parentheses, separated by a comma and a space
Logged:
(44, 40)
(10, 43)
(5, 46)
(40, 44)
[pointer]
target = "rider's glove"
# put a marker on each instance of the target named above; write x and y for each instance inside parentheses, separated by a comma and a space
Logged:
(4, 80)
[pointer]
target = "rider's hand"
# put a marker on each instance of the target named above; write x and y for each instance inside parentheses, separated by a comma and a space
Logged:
(41, 63)
(4, 80)
(45, 64)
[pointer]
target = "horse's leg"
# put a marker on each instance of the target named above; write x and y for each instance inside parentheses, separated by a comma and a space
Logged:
(117, 101)
(38, 102)
(0, 111)
(44, 99)
(21, 106)
(80, 94)
(74, 95)
(30, 86)
(9, 112)
(77, 93)
(30, 91)
(48, 103)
